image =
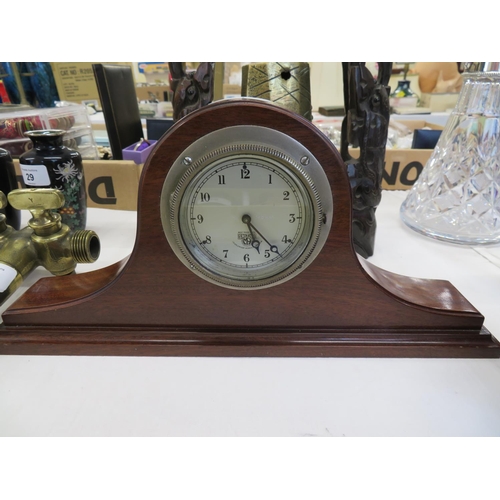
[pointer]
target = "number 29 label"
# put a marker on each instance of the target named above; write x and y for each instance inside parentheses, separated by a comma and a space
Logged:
(35, 175)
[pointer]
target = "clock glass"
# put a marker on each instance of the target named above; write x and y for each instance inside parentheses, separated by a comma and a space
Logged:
(245, 214)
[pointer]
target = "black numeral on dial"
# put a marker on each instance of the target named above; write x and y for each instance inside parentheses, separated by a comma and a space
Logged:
(245, 172)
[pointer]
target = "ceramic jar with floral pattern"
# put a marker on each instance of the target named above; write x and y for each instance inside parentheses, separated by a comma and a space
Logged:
(51, 164)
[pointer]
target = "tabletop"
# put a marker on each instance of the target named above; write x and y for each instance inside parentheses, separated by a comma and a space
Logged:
(187, 396)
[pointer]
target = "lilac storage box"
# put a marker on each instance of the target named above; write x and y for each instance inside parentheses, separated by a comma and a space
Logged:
(138, 157)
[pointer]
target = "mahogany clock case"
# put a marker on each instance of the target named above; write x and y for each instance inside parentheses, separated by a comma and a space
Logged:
(152, 304)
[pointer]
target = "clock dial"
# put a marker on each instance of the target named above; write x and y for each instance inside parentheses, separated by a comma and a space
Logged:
(245, 215)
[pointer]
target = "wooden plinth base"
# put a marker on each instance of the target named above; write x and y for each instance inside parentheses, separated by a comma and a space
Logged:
(157, 342)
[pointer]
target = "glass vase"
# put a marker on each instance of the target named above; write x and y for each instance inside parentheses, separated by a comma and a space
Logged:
(51, 164)
(457, 196)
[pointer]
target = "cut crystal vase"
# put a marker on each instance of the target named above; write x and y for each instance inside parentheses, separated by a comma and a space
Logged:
(457, 196)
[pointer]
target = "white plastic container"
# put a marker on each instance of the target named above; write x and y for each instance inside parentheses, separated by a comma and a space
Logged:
(66, 116)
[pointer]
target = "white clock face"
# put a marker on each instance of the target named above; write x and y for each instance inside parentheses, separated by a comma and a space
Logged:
(246, 215)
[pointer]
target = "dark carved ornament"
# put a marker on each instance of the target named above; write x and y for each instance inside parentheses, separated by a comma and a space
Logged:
(365, 126)
(191, 89)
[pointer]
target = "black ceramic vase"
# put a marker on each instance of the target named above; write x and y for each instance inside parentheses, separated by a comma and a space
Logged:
(51, 164)
(8, 182)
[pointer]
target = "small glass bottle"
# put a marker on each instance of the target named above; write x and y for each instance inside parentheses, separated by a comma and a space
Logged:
(8, 182)
(51, 164)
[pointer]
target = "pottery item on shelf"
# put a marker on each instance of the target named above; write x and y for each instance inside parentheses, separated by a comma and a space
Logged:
(51, 164)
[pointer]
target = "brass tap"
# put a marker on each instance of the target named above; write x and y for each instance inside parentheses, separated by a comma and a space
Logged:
(45, 242)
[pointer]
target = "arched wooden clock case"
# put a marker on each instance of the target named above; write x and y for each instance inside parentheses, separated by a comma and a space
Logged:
(153, 304)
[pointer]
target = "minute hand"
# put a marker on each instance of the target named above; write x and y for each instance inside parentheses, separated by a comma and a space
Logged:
(273, 248)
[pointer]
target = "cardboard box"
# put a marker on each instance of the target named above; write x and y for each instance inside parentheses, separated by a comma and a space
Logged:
(144, 92)
(403, 166)
(110, 183)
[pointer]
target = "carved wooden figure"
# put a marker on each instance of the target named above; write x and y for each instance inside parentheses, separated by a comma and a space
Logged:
(192, 90)
(365, 126)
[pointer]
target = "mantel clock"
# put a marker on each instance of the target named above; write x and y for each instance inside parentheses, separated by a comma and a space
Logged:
(244, 248)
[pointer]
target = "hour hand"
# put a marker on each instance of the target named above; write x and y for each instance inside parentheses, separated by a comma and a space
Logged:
(255, 242)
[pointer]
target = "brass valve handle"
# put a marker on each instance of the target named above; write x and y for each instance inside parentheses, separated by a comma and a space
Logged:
(3, 200)
(36, 199)
(40, 202)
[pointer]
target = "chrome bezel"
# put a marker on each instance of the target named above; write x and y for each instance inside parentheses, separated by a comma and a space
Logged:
(287, 154)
